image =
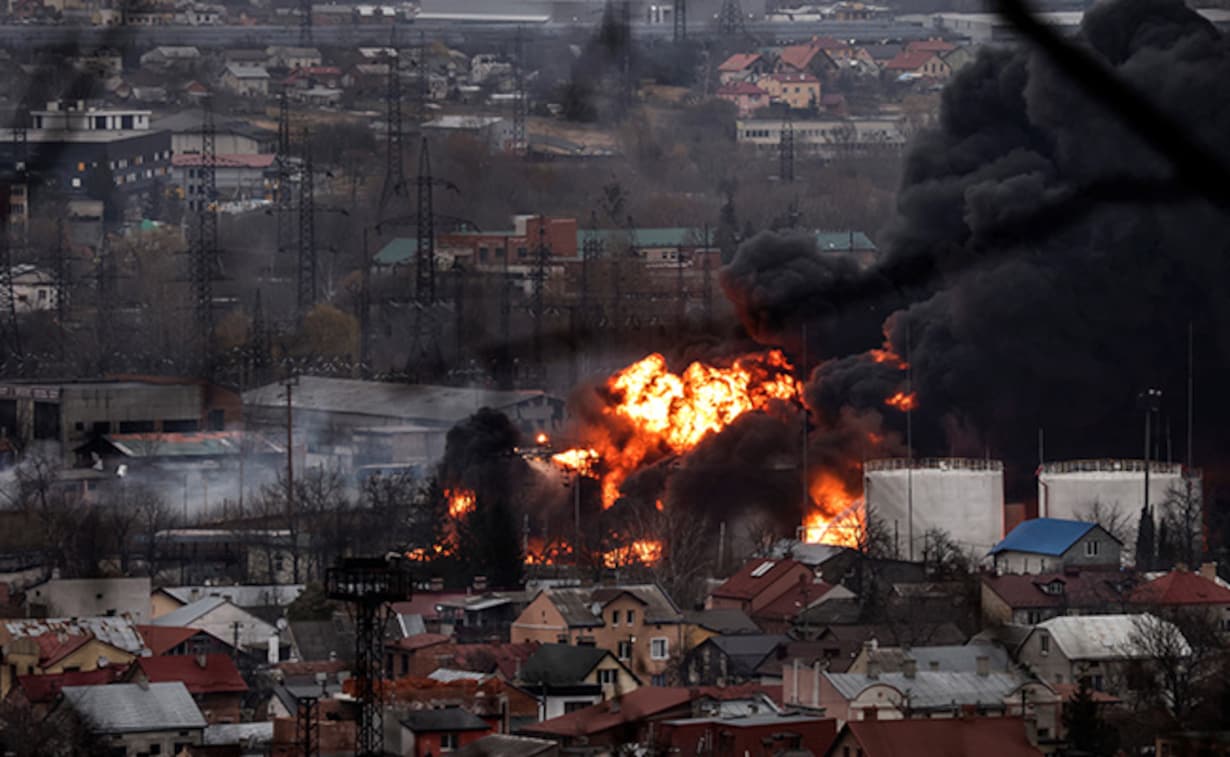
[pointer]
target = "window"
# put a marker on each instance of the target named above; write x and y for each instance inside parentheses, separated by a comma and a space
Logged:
(659, 679)
(615, 617)
(631, 616)
(76, 183)
(1091, 549)
(1044, 644)
(1033, 617)
(574, 706)
(155, 748)
(659, 648)
(448, 742)
(125, 122)
(521, 252)
(624, 650)
(608, 677)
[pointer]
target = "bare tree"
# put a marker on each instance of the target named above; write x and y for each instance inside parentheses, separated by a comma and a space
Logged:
(1112, 520)
(1181, 518)
(1175, 650)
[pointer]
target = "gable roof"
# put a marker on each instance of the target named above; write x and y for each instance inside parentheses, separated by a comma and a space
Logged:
(754, 577)
(799, 57)
(561, 664)
(957, 658)
(266, 595)
(204, 674)
(1103, 637)
(726, 620)
(934, 689)
(1181, 587)
(161, 639)
(909, 60)
(419, 641)
(746, 651)
(739, 62)
(246, 71)
(189, 613)
(793, 601)
(45, 688)
(117, 631)
(1044, 536)
(127, 707)
(1081, 589)
(443, 719)
(736, 88)
(53, 647)
(645, 702)
(1002, 737)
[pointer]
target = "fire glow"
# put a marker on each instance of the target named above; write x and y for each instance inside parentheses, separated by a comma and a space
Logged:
(903, 401)
(460, 502)
(671, 413)
(836, 516)
(643, 551)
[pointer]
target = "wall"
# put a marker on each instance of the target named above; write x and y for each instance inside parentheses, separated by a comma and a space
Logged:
(253, 632)
(1109, 552)
(423, 744)
(1052, 667)
(161, 604)
(963, 497)
(169, 742)
(540, 621)
(641, 661)
(91, 597)
(21, 658)
(624, 682)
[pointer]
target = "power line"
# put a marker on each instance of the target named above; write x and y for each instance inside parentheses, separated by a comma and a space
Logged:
(306, 271)
(203, 253)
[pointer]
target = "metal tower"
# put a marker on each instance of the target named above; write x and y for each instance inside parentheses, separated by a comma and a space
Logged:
(627, 85)
(730, 18)
(284, 196)
(421, 82)
(306, 273)
(591, 248)
(520, 143)
(368, 584)
(307, 725)
(305, 22)
(542, 256)
(785, 149)
(63, 275)
(679, 17)
(203, 252)
(425, 256)
(395, 167)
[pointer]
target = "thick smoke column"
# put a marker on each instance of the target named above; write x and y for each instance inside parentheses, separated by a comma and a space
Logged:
(1044, 262)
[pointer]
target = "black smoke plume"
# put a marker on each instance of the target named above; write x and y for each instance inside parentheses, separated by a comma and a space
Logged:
(1045, 262)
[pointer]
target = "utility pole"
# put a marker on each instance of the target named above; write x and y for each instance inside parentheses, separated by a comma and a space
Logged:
(203, 252)
(681, 294)
(680, 21)
(306, 269)
(542, 256)
(520, 142)
(785, 149)
(365, 315)
(730, 19)
(425, 256)
(394, 167)
(305, 22)
(290, 469)
(508, 375)
(284, 195)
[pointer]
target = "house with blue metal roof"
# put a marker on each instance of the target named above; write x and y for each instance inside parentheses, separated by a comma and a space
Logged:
(1044, 545)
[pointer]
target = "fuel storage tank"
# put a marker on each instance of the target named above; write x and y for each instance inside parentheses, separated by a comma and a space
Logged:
(961, 496)
(1079, 489)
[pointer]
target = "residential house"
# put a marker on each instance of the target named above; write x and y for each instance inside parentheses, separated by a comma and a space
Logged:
(418, 655)
(1100, 648)
(505, 745)
(1046, 545)
(704, 624)
(481, 617)
(959, 58)
(811, 57)
(34, 288)
(767, 733)
(723, 660)
(291, 58)
(745, 96)
(637, 622)
(243, 739)
(323, 640)
(171, 56)
(1031, 599)
(957, 658)
(170, 640)
(314, 76)
(421, 613)
(493, 132)
(90, 597)
(221, 618)
(799, 91)
(1002, 737)
(841, 643)
(249, 80)
(502, 706)
(137, 719)
(565, 678)
(433, 731)
(938, 46)
(213, 680)
(64, 645)
(267, 598)
(41, 692)
(1181, 592)
(915, 693)
(746, 67)
(783, 613)
(918, 64)
(758, 583)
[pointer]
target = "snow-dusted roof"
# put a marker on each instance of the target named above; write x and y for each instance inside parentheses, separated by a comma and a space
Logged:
(1105, 637)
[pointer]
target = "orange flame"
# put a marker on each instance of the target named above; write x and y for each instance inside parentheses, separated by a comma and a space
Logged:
(887, 355)
(902, 401)
(837, 515)
(673, 412)
(460, 502)
(580, 460)
(643, 551)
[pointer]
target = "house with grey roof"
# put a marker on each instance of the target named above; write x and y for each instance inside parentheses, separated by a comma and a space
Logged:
(220, 617)
(247, 80)
(563, 677)
(1099, 648)
(444, 729)
(958, 658)
(132, 719)
(727, 660)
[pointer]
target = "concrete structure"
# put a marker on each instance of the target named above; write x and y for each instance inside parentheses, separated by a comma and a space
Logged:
(237, 177)
(231, 136)
(964, 497)
(494, 132)
(88, 597)
(1074, 488)
(83, 116)
(1097, 647)
(1043, 545)
(828, 138)
(69, 414)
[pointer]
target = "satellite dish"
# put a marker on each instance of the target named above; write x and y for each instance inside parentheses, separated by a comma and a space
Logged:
(281, 624)
(121, 471)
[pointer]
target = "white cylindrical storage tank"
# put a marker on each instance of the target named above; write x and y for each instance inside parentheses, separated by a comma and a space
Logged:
(963, 497)
(1083, 489)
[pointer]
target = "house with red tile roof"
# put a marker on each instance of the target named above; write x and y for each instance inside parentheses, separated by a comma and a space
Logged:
(742, 67)
(418, 655)
(760, 583)
(180, 640)
(1030, 599)
(56, 652)
(41, 692)
(745, 96)
(1002, 737)
(930, 45)
(755, 733)
(800, 91)
(1183, 591)
(919, 64)
(213, 681)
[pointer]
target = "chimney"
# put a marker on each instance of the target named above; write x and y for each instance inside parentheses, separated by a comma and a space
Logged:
(873, 668)
(1208, 570)
(201, 661)
(909, 667)
(984, 665)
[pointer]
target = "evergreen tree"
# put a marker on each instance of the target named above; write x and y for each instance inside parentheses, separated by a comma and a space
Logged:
(1145, 547)
(1088, 734)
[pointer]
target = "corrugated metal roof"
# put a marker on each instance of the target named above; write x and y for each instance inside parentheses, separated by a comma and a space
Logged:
(1106, 637)
(117, 631)
(934, 688)
(270, 595)
(188, 614)
(127, 707)
(960, 658)
(230, 734)
(195, 444)
(1044, 536)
